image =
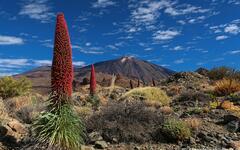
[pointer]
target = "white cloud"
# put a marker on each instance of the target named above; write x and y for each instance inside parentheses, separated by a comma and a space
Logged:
(88, 44)
(38, 10)
(79, 63)
(10, 40)
(147, 12)
(221, 37)
(165, 35)
(88, 50)
(148, 49)
(42, 62)
(235, 52)
(14, 63)
(232, 28)
(185, 9)
(103, 3)
(235, 2)
(178, 48)
(179, 61)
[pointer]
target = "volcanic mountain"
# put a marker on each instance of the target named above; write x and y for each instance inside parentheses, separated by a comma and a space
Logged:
(125, 68)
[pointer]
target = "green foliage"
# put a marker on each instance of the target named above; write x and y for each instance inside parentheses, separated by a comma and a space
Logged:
(150, 95)
(61, 128)
(195, 110)
(176, 130)
(94, 100)
(10, 87)
(223, 72)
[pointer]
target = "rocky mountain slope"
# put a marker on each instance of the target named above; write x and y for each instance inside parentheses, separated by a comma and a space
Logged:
(125, 68)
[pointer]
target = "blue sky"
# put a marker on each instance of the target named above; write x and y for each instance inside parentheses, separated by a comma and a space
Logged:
(181, 35)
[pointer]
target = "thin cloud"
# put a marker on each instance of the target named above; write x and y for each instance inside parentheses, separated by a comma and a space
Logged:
(88, 50)
(185, 9)
(165, 35)
(10, 40)
(14, 63)
(221, 37)
(234, 52)
(178, 48)
(103, 3)
(42, 62)
(38, 10)
(79, 63)
(179, 61)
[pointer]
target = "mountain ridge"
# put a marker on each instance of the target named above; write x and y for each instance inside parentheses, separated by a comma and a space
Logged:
(125, 67)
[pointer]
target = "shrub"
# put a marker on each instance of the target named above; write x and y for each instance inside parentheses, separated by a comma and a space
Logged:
(223, 72)
(126, 121)
(166, 110)
(83, 111)
(10, 87)
(151, 95)
(193, 123)
(30, 112)
(191, 98)
(226, 87)
(176, 130)
(60, 128)
(94, 100)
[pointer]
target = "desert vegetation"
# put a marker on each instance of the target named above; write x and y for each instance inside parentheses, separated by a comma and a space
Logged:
(186, 110)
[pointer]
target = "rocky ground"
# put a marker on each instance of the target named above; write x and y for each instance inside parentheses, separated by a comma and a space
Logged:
(213, 127)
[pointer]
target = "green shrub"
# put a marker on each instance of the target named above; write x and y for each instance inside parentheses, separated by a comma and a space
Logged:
(60, 128)
(151, 95)
(176, 130)
(10, 87)
(94, 100)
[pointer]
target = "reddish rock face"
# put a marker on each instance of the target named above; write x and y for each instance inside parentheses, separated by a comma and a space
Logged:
(62, 69)
(92, 81)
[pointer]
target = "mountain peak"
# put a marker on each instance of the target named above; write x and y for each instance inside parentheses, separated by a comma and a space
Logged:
(126, 58)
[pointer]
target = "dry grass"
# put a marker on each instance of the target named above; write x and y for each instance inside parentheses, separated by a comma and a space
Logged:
(166, 110)
(3, 112)
(151, 95)
(83, 111)
(193, 123)
(227, 105)
(25, 107)
(226, 87)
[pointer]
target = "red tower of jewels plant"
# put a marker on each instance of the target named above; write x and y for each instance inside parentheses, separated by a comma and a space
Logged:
(93, 83)
(62, 69)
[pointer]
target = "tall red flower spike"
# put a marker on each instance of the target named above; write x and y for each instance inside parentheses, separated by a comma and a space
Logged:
(92, 81)
(62, 68)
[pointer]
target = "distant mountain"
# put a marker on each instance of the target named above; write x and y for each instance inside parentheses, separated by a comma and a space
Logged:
(125, 68)
(129, 67)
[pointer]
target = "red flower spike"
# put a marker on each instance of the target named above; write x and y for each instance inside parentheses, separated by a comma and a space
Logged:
(62, 68)
(92, 81)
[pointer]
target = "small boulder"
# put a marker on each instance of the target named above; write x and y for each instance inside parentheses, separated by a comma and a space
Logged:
(101, 144)
(84, 147)
(16, 126)
(95, 136)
